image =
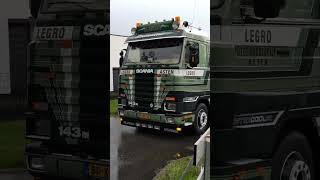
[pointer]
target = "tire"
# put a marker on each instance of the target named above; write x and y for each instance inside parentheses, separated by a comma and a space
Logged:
(293, 159)
(201, 121)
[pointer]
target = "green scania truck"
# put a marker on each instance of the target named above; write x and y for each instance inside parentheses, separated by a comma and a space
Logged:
(265, 86)
(164, 77)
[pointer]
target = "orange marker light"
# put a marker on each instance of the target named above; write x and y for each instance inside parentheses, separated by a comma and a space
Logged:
(177, 19)
(138, 24)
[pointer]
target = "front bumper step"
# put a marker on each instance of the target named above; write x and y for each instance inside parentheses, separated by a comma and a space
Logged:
(153, 125)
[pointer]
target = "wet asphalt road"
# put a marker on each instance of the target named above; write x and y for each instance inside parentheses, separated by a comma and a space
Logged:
(15, 176)
(139, 155)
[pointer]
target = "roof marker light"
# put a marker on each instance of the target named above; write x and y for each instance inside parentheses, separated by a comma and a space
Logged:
(138, 24)
(177, 19)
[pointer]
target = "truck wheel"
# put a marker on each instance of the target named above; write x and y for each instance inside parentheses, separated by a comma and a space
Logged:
(293, 159)
(201, 121)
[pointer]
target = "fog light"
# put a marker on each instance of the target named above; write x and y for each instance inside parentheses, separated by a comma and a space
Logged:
(36, 163)
(179, 129)
(170, 120)
(121, 113)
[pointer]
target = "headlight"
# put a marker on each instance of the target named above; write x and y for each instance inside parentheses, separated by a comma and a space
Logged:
(190, 99)
(36, 163)
(169, 106)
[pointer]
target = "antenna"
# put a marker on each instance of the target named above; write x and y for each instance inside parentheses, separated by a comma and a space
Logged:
(194, 11)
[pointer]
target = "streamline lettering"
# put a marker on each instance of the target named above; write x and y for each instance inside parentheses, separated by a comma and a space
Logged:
(258, 36)
(51, 33)
(144, 71)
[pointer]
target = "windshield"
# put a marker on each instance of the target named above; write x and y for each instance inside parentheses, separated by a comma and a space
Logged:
(215, 4)
(50, 6)
(161, 51)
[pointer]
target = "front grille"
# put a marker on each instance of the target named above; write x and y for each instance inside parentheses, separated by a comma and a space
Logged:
(144, 91)
(73, 81)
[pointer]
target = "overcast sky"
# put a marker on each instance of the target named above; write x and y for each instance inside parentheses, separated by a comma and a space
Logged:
(125, 13)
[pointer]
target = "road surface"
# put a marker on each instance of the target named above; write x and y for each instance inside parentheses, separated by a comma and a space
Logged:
(14, 175)
(139, 155)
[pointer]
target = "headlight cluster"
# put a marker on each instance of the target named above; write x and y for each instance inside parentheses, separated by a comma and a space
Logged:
(170, 106)
(190, 99)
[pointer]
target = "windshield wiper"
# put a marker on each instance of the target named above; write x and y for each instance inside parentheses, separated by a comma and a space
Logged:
(131, 63)
(217, 6)
(73, 3)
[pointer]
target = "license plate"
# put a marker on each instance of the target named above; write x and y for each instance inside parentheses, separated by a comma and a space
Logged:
(144, 116)
(98, 170)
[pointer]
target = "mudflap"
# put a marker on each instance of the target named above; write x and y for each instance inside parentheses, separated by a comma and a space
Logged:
(244, 169)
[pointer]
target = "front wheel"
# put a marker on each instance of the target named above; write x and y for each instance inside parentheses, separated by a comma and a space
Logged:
(201, 121)
(293, 159)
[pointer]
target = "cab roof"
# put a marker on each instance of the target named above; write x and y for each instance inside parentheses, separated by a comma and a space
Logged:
(163, 30)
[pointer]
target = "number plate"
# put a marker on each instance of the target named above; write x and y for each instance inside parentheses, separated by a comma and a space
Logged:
(144, 116)
(98, 170)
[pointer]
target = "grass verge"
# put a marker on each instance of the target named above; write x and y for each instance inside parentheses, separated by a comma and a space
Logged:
(113, 107)
(175, 168)
(12, 144)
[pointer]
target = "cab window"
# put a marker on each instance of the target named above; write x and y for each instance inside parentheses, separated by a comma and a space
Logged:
(297, 9)
(291, 8)
(192, 54)
(203, 58)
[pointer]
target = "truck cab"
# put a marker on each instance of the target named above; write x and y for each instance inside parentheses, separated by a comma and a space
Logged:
(66, 121)
(164, 77)
(264, 89)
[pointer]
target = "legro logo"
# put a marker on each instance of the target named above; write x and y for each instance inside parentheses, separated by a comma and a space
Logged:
(95, 30)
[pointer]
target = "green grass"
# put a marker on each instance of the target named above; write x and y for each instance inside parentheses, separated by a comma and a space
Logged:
(113, 107)
(175, 168)
(12, 144)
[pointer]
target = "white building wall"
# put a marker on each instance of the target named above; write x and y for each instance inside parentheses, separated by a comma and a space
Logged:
(8, 10)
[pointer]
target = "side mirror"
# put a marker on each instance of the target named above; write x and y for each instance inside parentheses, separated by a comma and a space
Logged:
(121, 57)
(34, 6)
(268, 8)
(194, 56)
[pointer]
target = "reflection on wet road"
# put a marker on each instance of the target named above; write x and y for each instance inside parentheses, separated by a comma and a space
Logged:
(139, 155)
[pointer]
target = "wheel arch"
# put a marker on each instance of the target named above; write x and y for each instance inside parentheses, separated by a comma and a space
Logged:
(306, 126)
(204, 100)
